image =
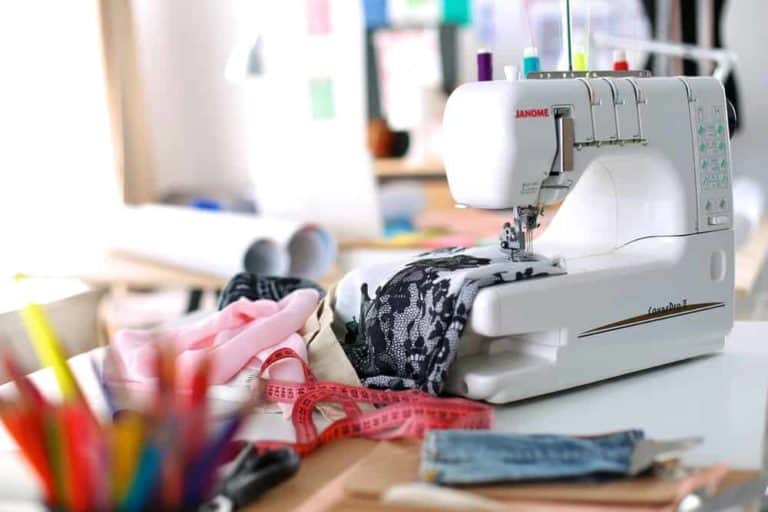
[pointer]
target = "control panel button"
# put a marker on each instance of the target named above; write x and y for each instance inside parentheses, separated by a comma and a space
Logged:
(723, 204)
(717, 220)
(708, 206)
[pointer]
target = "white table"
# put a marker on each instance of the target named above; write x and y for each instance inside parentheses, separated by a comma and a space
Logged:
(721, 398)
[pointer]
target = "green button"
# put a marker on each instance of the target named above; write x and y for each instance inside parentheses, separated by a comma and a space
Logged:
(723, 163)
(702, 147)
(704, 164)
(720, 129)
(721, 145)
(700, 130)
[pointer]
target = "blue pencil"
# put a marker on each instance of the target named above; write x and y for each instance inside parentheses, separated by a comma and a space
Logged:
(199, 476)
(145, 479)
(109, 396)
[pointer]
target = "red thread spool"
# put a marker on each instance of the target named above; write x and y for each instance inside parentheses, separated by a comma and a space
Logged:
(620, 61)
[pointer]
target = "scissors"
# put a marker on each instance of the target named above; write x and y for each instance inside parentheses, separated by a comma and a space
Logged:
(252, 475)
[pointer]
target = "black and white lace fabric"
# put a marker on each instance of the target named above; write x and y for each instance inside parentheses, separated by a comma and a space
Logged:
(257, 287)
(403, 322)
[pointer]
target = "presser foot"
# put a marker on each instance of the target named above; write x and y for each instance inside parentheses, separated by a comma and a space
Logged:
(516, 237)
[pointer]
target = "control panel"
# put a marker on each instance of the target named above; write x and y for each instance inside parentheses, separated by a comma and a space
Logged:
(712, 161)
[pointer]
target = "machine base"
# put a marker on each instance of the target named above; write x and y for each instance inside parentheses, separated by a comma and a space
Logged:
(519, 374)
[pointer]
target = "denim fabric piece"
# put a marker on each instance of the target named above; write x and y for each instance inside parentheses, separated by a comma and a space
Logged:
(476, 456)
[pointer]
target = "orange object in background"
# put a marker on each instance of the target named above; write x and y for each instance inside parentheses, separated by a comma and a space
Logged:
(380, 138)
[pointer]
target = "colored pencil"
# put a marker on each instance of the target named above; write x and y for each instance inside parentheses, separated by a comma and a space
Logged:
(127, 441)
(162, 456)
(106, 390)
(144, 479)
(27, 433)
(202, 470)
(28, 423)
(76, 429)
(27, 390)
(54, 445)
(196, 411)
(48, 348)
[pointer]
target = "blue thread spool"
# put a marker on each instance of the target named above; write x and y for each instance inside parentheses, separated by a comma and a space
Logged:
(531, 62)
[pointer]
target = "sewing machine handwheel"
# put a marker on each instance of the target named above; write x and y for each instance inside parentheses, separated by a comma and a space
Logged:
(733, 118)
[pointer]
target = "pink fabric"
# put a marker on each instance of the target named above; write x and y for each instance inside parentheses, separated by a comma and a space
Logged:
(240, 336)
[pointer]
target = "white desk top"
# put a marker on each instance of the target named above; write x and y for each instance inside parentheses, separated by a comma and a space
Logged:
(721, 398)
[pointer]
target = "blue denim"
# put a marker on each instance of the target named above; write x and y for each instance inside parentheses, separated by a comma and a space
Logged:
(478, 456)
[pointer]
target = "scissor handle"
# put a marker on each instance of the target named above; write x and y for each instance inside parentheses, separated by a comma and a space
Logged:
(259, 473)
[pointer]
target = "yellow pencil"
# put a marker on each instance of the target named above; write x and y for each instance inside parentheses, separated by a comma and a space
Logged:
(47, 346)
(127, 442)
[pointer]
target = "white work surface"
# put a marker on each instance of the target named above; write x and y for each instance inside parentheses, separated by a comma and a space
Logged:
(721, 398)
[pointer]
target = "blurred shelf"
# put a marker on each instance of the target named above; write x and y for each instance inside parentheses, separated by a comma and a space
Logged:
(122, 269)
(402, 168)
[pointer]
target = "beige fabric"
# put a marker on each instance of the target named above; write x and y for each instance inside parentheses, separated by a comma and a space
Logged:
(326, 357)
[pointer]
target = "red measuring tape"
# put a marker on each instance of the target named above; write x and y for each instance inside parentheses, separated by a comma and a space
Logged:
(406, 414)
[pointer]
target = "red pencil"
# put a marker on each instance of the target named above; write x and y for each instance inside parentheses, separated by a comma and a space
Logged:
(26, 430)
(196, 410)
(78, 441)
(170, 427)
(27, 390)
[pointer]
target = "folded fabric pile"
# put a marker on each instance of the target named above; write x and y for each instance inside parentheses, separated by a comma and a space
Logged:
(239, 337)
(394, 326)
(257, 317)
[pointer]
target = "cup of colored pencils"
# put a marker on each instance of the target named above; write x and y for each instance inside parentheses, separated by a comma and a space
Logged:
(161, 456)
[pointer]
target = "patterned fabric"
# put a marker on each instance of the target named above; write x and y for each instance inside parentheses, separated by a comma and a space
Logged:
(407, 329)
(256, 287)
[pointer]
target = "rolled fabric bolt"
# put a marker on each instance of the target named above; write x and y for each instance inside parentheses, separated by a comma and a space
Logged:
(531, 62)
(510, 73)
(484, 65)
(620, 61)
(223, 243)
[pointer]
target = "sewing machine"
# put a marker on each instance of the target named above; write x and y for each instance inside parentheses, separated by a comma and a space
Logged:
(644, 232)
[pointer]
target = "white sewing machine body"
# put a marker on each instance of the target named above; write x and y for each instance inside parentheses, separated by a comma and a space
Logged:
(645, 231)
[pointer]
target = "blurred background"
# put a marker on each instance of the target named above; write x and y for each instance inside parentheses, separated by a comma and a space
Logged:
(290, 137)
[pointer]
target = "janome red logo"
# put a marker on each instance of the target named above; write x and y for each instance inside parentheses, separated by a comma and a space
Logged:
(532, 112)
